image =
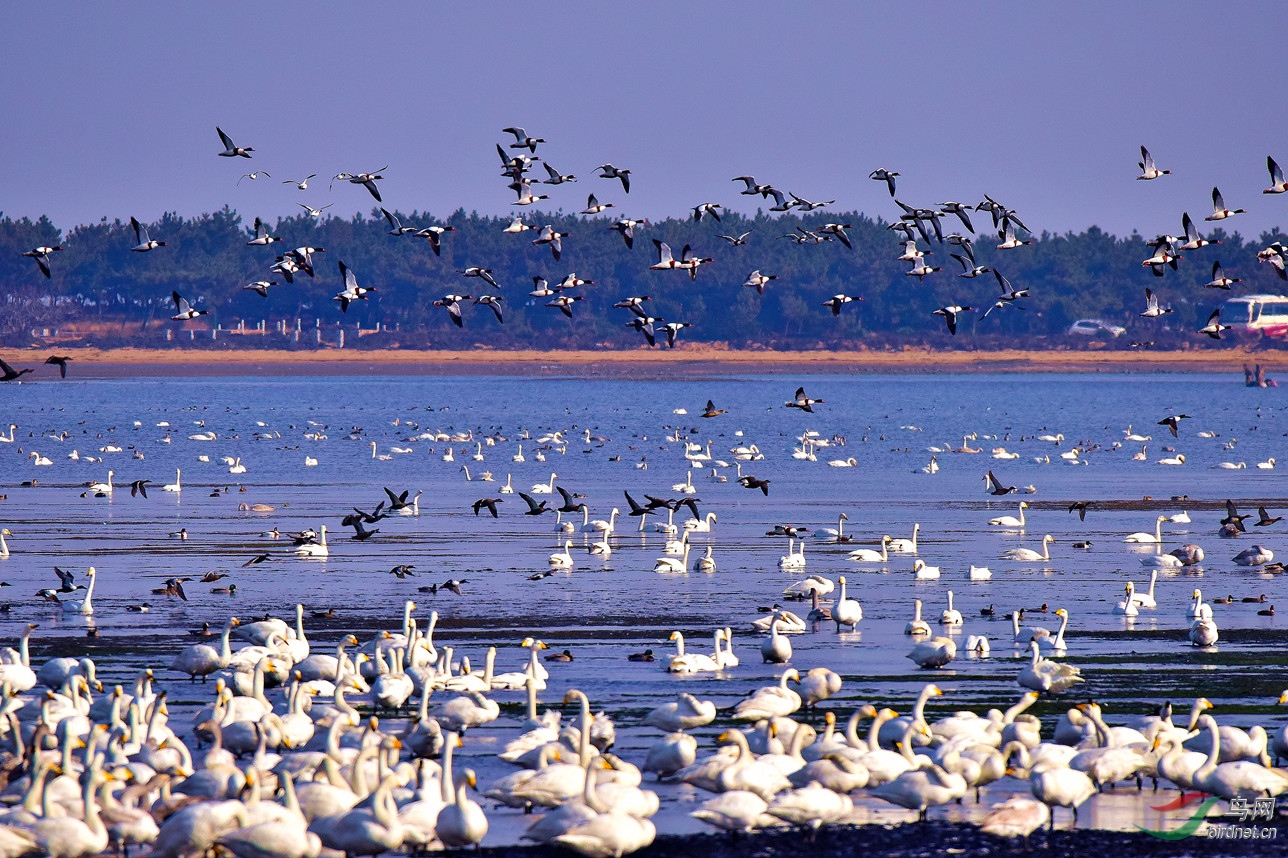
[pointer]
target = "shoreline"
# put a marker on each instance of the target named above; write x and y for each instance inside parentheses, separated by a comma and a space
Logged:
(688, 361)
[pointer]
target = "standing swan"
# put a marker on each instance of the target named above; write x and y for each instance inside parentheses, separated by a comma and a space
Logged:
(175, 486)
(848, 612)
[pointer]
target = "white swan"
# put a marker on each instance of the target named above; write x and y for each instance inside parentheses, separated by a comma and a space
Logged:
(922, 572)
(812, 584)
(1028, 555)
(673, 564)
(1267, 465)
(176, 486)
(1146, 599)
(1198, 608)
(1238, 779)
(1127, 607)
(1155, 538)
(508, 488)
(44, 461)
(1055, 642)
(87, 606)
(314, 549)
(836, 534)
(1231, 466)
(793, 560)
(4, 546)
(705, 563)
(951, 616)
(1178, 459)
(843, 463)
(1010, 520)
(1181, 517)
(1047, 676)
(906, 546)
(868, 555)
(545, 488)
(979, 573)
(847, 612)
(237, 467)
(916, 626)
(1023, 636)
(701, 525)
(103, 488)
(1204, 632)
(775, 649)
(563, 559)
(936, 652)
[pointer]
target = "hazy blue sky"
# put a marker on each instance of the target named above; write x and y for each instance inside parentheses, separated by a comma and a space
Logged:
(111, 107)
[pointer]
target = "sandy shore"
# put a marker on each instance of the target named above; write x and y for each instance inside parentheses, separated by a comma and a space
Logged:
(692, 360)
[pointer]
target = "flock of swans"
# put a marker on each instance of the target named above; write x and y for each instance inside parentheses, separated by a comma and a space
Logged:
(347, 740)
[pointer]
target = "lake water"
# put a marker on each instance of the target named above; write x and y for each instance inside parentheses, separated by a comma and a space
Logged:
(604, 610)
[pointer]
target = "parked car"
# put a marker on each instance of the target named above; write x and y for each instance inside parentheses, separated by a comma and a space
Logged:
(1092, 327)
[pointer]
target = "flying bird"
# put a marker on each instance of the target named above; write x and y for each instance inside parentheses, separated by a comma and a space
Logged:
(493, 301)
(1219, 211)
(750, 482)
(484, 274)
(1147, 168)
(1213, 329)
(594, 206)
(41, 255)
(759, 281)
(253, 175)
(395, 226)
(995, 486)
(302, 184)
(556, 178)
(836, 302)
(434, 235)
(711, 410)
(565, 302)
(950, 316)
(1172, 422)
(1219, 280)
(703, 209)
(260, 286)
(145, 242)
(184, 310)
(736, 240)
(316, 213)
(59, 361)
(887, 176)
(803, 402)
(231, 150)
(1152, 310)
(1277, 184)
(452, 304)
(608, 171)
(262, 236)
(522, 140)
(8, 373)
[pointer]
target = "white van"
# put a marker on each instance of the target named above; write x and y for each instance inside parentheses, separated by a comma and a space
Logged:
(1264, 314)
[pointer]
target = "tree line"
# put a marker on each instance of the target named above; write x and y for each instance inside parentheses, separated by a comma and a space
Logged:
(1091, 274)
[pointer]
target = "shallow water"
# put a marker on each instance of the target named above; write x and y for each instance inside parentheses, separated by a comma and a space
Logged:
(604, 610)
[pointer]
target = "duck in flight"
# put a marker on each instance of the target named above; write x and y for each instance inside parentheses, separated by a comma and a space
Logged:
(553, 238)
(736, 240)
(887, 176)
(260, 287)
(492, 301)
(262, 236)
(184, 310)
(556, 178)
(1147, 168)
(803, 402)
(1219, 211)
(522, 140)
(995, 486)
(41, 255)
(753, 187)
(565, 302)
(484, 274)
(1213, 329)
(434, 235)
(672, 330)
(452, 304)
(750, 482)
(60, 361)
(1174, 421)
(836, 302)
(487, 503)
(1152, 310)
(232, 150)
(608, 171)
(352, 291)
(144, 241)
(1219, 280)
(838, 230)
(759, 281)
(594, 206)
(8, 373)
(703, 209)
(1277, 184)
(1193, 240)
(395, 226)
(711, 410)
(950, 316)
(625, 227)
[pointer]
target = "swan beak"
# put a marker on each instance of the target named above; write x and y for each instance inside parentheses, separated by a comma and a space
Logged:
(469, 776)
(1283, 698)
(234, 621)
(723, 737)
(893, 714)
(935, 691)
(1154, 746)
(542, 645)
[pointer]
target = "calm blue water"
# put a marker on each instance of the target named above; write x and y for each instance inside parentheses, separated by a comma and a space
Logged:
(604, 610)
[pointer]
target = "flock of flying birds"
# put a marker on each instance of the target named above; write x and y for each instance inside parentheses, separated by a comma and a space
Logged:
(914, 224)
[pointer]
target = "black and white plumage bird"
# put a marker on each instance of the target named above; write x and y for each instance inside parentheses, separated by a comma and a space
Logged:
(759, 281)
(672, 330)
(352, 291)
(484, 274)
(1277, 184)
(666, 260)
(253, 175)
(950, 316)
(1080, 507)
(493, 301)
(1165, 254)
(750, 482)
(452, 304)
(920, 269)
(998, 305)
(41, 255)
(565, 302)
(704, 209)
(367, 180)
(882, 175)
(836, 302)
(572, 281)
(1275, 254)
(59, 361)
(803, 402)
(837, 230)
(634, 303)
(302, 184)
(962, 212)
(736, 240)
(594, 206)
(969, 268)
(139, 487)
(526, 196)
(1193, 240)
(550, 236)
(1152, 309)
(262, 237)
(260, 286)
(1174, 421)
(625, 227)
(317, 213)
(232, 150)
(809, 205)
(556, 178)
(995, 486)
(522, 140)
(184, 310)
(144, 242)
(1219, 280)
(434, 235)
(752, 186)
(1148, 170)
(1219, 210)
(1009, 293)
(541, 288)
(1213, 328)
(608, 171)
(645, 325)
(395, 226)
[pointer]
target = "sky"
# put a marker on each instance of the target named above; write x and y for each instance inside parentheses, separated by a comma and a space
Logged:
(111, 107)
